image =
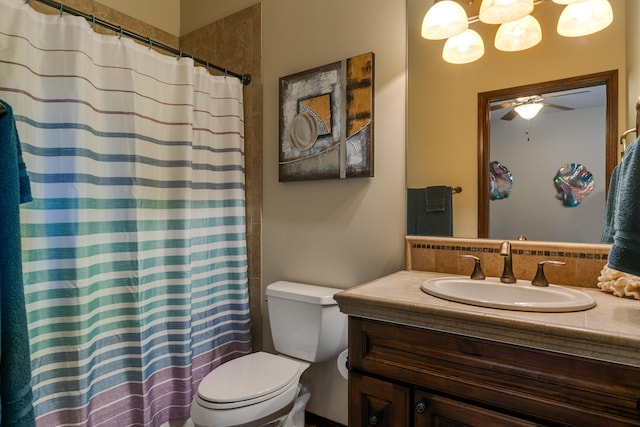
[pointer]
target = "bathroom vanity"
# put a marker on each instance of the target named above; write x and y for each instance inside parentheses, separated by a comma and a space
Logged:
(418, 360)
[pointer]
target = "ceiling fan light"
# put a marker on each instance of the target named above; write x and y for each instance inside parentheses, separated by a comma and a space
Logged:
(443, 20)
(463, 48)
(501, 11)
(518, 35)
(528, 111)
(584, 18)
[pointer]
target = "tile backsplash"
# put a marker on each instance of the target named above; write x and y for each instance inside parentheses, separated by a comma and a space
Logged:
(583, 261)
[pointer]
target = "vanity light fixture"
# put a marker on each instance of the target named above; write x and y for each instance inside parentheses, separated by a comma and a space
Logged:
(463, 48)
(521, 34)
(446, 19)
(528, 110)
(584, 18)
(501, 11)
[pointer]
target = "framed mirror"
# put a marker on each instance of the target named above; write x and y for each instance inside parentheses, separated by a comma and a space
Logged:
(443, 114)
(570, 142)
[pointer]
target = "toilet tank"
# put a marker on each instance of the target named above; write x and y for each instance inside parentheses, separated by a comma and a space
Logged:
(305, 321)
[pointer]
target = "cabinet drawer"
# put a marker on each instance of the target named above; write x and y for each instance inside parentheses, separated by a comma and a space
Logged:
(440, 411)
(540, 385)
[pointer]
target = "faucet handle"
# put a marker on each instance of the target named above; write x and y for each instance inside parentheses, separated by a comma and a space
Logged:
(540, 279)
(477, 269)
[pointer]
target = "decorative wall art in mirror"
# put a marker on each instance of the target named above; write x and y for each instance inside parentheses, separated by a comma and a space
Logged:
(326, 121)
(560, 158)
(443, 117)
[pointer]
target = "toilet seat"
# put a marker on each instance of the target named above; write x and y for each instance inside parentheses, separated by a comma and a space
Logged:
(249, 380)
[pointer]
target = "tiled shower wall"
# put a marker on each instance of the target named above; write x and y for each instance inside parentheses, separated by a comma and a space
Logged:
(233, 42)
(583, 261)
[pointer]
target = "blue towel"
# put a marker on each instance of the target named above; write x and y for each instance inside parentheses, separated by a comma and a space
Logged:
(625, 251)
(15, 362)
(429, 211)
(609, 215)
(436, 196)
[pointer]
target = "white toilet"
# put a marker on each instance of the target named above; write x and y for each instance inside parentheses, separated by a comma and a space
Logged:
(260, 388)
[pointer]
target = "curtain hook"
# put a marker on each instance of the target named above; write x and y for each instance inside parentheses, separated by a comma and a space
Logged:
(93, 22)
(150, 43)
(179, 55)
(120, 35)
(61, 9)
(207, 66)
(225, 73)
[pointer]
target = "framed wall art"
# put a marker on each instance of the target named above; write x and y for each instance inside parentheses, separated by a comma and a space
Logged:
(326, 121)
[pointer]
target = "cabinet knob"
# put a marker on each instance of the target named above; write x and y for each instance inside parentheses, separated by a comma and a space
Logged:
(421, 407)
(373, 420)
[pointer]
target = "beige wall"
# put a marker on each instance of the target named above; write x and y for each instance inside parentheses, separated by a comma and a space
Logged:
(335, 232)
(442, 132)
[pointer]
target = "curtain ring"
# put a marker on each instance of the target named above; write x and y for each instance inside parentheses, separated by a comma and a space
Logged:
(179, 55)
(225, 73)
(93, 21)
(61, 9)
(120, 36)
(150, 43)
(207, 66)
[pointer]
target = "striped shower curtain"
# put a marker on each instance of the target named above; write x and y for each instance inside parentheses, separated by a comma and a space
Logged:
(134, 248)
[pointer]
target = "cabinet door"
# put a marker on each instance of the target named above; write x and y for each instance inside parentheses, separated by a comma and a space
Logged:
(377, 403)
(437, 411)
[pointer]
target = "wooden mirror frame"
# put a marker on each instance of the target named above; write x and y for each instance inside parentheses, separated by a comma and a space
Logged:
(608, 78)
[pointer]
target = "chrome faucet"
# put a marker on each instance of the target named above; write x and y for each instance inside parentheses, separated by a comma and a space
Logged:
(507, 272)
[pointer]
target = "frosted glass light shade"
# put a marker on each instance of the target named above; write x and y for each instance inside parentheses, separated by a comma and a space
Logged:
(584, 18)
(443, 20)
(501, 11)
(518, 35)
(528, 111)
(463, 48)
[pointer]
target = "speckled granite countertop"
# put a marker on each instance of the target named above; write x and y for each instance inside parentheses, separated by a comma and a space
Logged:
(610, 331)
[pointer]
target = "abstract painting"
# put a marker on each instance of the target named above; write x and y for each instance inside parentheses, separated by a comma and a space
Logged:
(326, 121)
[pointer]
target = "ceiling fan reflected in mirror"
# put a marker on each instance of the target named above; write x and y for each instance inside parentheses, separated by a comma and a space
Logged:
(528, 107)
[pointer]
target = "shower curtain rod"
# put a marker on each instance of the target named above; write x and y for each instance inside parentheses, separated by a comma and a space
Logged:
(244, 78)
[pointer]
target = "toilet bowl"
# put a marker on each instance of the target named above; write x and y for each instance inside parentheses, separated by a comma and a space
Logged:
(260, 388)
(252, 390)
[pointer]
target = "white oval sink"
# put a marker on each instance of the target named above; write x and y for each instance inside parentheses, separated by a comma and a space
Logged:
(520, 296)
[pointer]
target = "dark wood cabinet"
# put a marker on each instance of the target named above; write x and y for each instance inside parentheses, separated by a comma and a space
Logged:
(407, 376)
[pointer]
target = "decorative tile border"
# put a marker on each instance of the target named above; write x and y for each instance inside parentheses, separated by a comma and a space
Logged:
(532, 252)
(583, 261)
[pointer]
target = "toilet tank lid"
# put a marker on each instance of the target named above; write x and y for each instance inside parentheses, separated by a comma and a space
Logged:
(318, 295)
